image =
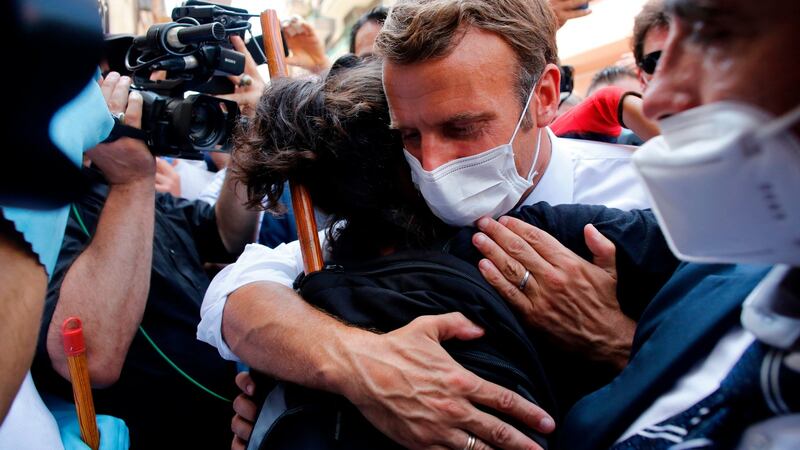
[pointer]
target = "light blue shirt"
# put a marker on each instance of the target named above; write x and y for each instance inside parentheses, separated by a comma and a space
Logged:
(76, 127)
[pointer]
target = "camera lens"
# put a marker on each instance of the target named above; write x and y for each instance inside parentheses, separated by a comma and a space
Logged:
(204, 128)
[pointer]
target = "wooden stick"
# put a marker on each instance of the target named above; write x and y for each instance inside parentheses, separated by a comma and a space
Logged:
(75, 348)
(301, 201)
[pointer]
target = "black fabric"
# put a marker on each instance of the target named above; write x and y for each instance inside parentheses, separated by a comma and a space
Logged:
(644, 265)
(386, 294)
(161, 408)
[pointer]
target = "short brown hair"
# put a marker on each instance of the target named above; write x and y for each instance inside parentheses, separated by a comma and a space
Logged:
(420, 30)
(652, 15)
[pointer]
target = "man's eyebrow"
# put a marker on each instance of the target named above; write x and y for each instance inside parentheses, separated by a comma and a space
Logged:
(469, 117)
(460, 117)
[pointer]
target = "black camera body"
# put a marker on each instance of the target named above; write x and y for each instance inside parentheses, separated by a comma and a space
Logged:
(173, 60)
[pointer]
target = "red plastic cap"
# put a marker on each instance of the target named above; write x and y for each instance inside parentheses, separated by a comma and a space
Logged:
(72, 332)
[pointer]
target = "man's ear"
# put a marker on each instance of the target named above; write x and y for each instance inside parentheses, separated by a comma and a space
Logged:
(548, 92)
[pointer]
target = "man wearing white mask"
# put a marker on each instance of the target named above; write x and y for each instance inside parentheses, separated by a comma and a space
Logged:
(471, 87)
(715, 361)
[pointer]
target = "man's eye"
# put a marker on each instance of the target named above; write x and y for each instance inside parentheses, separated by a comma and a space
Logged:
(462, 132)
(409, 137)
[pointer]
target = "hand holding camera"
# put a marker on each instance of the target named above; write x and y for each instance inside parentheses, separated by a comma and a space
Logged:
(126, 160)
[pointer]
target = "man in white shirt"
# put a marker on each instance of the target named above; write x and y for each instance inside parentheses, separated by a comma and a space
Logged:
(453, 105)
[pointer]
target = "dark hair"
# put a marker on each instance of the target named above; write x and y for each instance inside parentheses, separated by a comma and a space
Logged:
(608, 75)
(377, 14)
(333, 136)
(652, 15)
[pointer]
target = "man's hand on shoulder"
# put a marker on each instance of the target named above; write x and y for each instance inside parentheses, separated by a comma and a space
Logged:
(407, 385)
(573, 300)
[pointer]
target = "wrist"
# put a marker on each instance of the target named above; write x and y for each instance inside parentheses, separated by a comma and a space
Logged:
(618, 350)
(138, 185)
(336, 365)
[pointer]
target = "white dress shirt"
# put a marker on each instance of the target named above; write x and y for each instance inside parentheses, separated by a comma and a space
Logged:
(578, 172)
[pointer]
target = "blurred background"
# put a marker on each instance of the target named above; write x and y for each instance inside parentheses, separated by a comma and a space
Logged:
(588, 43)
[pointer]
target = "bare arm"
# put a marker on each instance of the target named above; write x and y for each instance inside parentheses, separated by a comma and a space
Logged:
(21, 301)
(236, 223)
(403, 382)
(108, 284)
(635, 120)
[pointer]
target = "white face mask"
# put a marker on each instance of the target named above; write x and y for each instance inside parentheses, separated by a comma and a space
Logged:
(724, 180)
(487, 184)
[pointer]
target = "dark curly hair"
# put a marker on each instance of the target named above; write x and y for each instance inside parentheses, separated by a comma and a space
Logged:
(333, 136)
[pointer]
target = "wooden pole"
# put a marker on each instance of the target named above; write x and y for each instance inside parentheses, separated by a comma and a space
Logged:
(75, 348)
(301, 201)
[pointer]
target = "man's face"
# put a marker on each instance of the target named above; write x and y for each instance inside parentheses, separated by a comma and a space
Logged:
(654, 41)
(728, 50)
(463, 104)
(365, 38)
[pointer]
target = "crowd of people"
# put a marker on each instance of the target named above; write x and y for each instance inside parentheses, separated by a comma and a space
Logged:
(500, 269)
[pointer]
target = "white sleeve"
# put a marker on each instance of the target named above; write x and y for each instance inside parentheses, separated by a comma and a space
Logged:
(211, 192)
(194, 178)
(281, 264)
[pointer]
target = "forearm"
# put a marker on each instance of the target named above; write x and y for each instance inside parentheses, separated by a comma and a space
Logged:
(107, 286)
(275, 331)
(634, 119)
(236, 223)
(21, 301)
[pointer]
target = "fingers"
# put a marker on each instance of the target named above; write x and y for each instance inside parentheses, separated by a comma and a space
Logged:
(512, 404)
(545, 245)
(516, 243)
(250, 66)
(604, 250)
(241, 428)
(133, 113)
(511, 269)
(245, 382)
(448, 326)
(118, 98)
(460, 440)
(245, 408)
(238, 444)
(107, 85)
(523, 302)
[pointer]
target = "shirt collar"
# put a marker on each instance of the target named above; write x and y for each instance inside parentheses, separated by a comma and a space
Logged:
(558, 182)
(771, 311)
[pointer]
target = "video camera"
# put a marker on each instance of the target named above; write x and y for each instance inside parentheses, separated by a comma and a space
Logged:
(193, 53)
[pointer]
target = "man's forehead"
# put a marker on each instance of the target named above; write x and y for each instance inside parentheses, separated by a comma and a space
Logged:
(724, 9)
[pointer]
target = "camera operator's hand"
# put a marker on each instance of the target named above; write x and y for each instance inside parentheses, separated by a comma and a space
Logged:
(307, 50)
(125, 160)
(246, 95)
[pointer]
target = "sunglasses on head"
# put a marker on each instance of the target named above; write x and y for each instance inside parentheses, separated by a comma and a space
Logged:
(649, 62)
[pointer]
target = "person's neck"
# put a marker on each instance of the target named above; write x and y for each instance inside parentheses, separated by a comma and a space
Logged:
(545, 154)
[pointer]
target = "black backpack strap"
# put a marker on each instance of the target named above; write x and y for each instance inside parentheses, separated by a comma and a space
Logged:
(274, 408)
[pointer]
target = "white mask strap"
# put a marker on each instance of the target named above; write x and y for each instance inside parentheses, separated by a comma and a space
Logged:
(781, 123)
(533, 172)
(524, 111)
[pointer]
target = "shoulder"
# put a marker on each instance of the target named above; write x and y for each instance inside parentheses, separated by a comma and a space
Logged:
(583, 150)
